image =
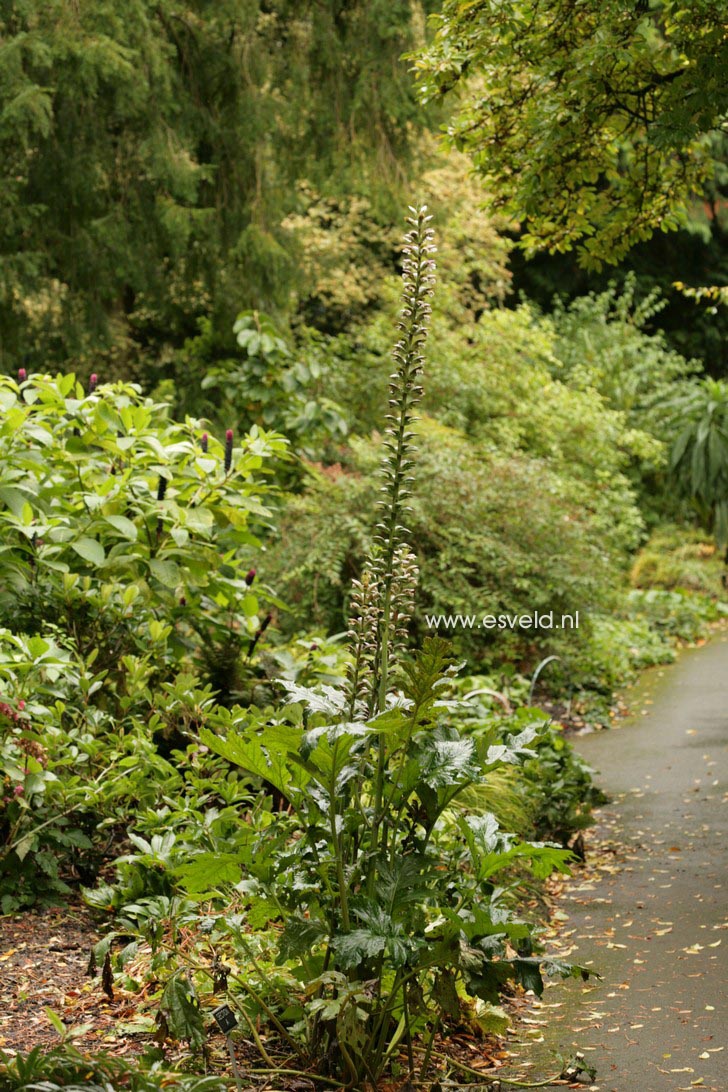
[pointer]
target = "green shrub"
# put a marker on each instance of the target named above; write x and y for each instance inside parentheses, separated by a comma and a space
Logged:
(605, 342)
(263, 382)
(682, 615)
(679, 558)
(126, 541)
(553, 787)
(124, 527)
(616, 648)
(71, 770)
(492, 534)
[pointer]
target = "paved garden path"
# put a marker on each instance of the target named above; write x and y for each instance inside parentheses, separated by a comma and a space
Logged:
(657, 927)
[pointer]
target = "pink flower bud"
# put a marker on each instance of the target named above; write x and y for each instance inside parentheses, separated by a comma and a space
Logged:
(228, 450)
(250, 577)
(93, 380)
(22, 375)
(203, 441)
(21, 704)
(18, 790)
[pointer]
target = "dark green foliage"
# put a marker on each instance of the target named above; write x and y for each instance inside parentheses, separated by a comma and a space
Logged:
(116, 524)
(699, 456)
(679, 559)
(355, 881)
(379, 884)
(123, 552)
(696, 255)
(604, 341)
(563, 788)
(679, 614)
(492, 535)
(555, 785)
(149, 156)
(266, 383)
(180, 1011)
(331, 838)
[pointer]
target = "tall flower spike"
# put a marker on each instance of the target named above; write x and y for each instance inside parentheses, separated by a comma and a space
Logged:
(404, 586)
(228, 450)
(364, 616)
(405, 392)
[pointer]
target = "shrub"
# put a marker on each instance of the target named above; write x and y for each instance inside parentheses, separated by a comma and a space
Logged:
(492, 534)
(126, 541)
(71, 770)
(676, 558)
(605, 342)
(123, 526)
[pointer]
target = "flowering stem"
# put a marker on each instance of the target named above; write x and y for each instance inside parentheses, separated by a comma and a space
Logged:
(405, 393)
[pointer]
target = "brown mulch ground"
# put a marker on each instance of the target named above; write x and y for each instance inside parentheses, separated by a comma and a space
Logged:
(43, 965)
(43, 959)
(44, 956)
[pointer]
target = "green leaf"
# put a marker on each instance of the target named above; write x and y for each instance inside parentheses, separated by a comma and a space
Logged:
(198, 519)
(90, 550)
(264, 754)
(182, 1011)
(330, 700)
(124, 526)
(207, 872)
(14, 499)
(490, 1019)
(299, 936)
(56, 1021)
(447, 762)
(166, 572)
(381, 933)
(37, 647)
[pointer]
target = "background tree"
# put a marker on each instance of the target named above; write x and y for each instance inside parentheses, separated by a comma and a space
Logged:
(148, 155)
(595, 121)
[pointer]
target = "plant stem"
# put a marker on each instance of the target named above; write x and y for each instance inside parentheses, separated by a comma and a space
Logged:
(428, 1048)
(336, 841)
(280, 1071)
(493, 1078)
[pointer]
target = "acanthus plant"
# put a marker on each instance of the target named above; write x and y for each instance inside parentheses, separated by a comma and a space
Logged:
(395, 904)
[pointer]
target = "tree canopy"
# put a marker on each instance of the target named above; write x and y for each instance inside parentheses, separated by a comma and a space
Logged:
(148, 155)
(594, 122)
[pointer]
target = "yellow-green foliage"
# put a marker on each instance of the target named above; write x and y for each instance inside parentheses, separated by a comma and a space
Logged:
(679, 557)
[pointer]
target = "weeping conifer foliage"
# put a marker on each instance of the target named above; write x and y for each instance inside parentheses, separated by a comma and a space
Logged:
(149, 152)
